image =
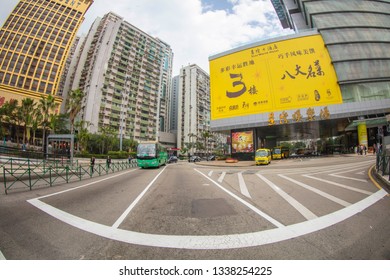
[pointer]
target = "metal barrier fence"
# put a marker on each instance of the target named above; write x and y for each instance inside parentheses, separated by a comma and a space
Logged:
(383, 165)
(20, 173)
(33, 153)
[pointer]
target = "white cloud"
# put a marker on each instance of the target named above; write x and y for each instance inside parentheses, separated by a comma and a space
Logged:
(193, 32)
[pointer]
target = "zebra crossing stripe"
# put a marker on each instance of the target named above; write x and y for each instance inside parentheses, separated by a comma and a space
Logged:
(321, 193)
(243, 188)
(250, 206)
(292, 201)
(339, 185)
(220, 179)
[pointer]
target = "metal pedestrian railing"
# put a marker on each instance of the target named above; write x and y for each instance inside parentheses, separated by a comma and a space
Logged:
(27, 173)
(383, 164)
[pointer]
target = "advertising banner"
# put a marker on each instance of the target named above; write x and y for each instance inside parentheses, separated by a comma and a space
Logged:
(362, 134)
(283, 75)
(242, 142)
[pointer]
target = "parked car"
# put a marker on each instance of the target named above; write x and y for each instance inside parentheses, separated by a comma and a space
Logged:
(172, 159)
(212, 157)
(194, 159)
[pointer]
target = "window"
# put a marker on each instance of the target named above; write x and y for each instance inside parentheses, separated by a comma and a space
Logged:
(42, 86)
(20, 81)
(13, 80)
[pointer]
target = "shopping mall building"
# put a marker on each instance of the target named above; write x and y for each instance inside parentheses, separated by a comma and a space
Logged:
(328, 85)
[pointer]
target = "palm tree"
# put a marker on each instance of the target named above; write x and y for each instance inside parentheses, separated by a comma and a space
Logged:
(46, 106)
(10, 109)
(206, 135)
(190, 136)
(36, 121)
(83, 134)
(73, 105)
(27, 110)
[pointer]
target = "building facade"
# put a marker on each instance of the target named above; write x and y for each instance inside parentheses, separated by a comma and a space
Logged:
(126, 75)
(35, 41)
(193, 106)
(174, 104)
(356, 35)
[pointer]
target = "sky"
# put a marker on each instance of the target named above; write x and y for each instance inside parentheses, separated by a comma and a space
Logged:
(195, 29)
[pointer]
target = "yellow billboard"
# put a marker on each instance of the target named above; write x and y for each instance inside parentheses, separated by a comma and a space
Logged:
(283, 75)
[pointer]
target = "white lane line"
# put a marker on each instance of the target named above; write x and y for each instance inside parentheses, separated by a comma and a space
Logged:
(321, 193)
(250, 206)
(210, 173)
(349, 178)
(88, 184)
(292, 201)
(220, 179)
(243, 188)
(344, 167)
(132, 205)
(209, 242)
(2, 256)
(339, 185)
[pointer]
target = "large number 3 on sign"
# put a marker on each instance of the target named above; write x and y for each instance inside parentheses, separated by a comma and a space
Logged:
(239, 83)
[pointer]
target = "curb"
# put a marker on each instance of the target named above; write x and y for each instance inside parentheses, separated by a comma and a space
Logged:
(384, 182)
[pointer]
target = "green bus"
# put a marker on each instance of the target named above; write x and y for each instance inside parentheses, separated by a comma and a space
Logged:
(151, 154)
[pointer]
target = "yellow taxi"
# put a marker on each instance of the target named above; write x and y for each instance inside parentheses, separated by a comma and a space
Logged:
(263, 156)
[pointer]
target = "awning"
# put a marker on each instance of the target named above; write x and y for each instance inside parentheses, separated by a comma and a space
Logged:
(375, 122)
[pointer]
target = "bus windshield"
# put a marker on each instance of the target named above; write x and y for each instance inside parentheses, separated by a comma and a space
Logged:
(261, 153)
(146, 151)
(277, 150)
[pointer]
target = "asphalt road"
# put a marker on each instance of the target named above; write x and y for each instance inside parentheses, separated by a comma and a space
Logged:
(320, 208)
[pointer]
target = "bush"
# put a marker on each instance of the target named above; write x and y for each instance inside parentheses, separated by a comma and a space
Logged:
(118, 154)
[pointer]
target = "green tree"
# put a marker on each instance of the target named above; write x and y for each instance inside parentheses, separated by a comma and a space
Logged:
(73, 106)
(36, 122)
(206, 135)
(83, 134)
(46, 106)
(11, 115)
(109, 138)
(27, 114)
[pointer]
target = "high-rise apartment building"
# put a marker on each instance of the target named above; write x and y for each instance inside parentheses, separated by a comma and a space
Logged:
(174, 104)
(34, 44)
(193, 105)
(165, 88)
(126, 75)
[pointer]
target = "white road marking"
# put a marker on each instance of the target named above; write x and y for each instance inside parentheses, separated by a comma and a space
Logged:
(250, 206)
(243, 188)
(321, 193)
(132, 205)
(349, 178)
(220, 179)
(339, 185)
(336, 168)
(211, 241)
(292, 201)
(88, 184)
(210, 173)
(2, 256)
